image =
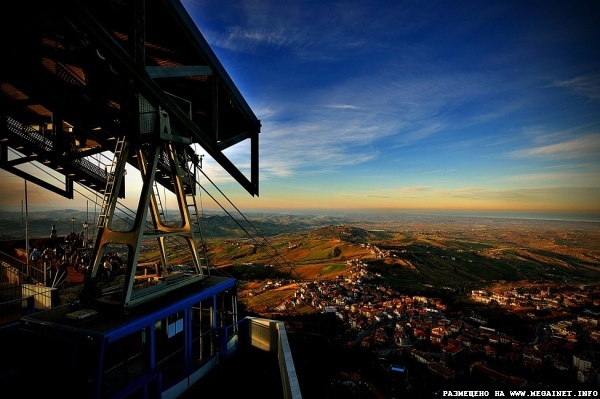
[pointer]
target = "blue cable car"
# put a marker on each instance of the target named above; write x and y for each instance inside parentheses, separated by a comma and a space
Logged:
(156, 350)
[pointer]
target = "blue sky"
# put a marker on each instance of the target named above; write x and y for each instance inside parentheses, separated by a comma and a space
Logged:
(467, 106)
(433, 105)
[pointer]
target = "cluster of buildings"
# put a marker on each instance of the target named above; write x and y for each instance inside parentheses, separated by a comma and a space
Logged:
(456, 346)
(523, 297)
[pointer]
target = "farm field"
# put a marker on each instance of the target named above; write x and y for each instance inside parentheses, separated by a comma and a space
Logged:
(456, 254)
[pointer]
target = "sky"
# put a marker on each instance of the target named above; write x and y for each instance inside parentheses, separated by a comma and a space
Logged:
(466, 106)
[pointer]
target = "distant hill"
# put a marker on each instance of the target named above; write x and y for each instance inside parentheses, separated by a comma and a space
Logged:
(432, 256)
(214, 225)
(219, 224)
(351, 234)
(13, 224)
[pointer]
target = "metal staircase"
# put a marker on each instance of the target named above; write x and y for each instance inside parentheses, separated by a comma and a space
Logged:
(161, 210)
(192, 208)
(118, 159)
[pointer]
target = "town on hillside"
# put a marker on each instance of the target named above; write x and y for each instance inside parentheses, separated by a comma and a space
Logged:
(421, 345)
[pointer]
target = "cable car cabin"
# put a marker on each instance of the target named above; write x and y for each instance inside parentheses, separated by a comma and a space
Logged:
(155, 350)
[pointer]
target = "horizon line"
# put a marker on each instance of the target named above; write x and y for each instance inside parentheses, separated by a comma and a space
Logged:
(573, 216)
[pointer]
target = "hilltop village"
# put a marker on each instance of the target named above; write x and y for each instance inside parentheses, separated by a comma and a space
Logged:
(458, 348)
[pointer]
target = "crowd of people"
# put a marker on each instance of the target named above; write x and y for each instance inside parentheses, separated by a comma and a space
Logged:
(59, 253)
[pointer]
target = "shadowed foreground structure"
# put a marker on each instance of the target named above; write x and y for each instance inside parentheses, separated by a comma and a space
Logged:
(98, 86)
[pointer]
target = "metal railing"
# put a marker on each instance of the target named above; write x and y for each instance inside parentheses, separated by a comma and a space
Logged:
(25, 287)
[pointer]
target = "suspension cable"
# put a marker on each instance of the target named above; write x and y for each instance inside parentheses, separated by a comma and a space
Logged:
(291, 268)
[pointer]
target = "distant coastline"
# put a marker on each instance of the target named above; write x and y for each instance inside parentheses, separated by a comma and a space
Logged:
(380, 214)
(369, 214)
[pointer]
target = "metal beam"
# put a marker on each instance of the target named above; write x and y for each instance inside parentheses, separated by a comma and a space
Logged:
(154, 93)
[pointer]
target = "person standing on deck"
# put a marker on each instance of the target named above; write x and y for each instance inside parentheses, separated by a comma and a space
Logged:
(48, 256)
(35, 257)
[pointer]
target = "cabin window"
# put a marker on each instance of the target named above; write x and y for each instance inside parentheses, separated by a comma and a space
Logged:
(126, 360)
(203, 346)
(175, 324)
(169, 348)
(227, 313)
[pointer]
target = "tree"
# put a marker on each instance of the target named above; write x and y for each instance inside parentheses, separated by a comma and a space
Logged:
(337, 251)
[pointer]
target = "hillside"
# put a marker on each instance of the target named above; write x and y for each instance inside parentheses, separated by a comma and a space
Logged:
(295, 255)
(213, 225)
(426, 249)
(435, 258)
(409, 251)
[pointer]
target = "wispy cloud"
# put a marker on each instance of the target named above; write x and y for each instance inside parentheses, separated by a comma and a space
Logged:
(539, 198)
(293, 27)
(573, 178)
(342, 106)
(436, 171)
(579, 147)
(585, 85)
(414, 189)
(251, 41)
(542, 196)
(316, 144)
(403, 192)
